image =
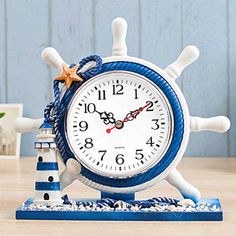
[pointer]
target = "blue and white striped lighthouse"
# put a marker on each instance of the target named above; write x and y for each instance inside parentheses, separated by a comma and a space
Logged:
(47, 185)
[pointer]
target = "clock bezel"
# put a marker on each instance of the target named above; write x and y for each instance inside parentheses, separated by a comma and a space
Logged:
(107, 184)
(89, 83)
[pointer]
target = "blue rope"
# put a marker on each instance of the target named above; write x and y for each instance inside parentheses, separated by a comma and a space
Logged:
(54, 111)
(113, 203)
(93, 71)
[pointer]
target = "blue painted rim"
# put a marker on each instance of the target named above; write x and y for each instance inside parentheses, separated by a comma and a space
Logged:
(177, 133)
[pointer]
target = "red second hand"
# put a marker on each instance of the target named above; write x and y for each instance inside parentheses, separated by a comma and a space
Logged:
(127, 118)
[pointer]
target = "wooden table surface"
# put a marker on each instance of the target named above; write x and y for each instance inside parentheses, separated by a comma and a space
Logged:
(215, 177)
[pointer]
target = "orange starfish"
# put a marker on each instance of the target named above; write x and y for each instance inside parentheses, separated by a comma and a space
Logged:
(69, 75)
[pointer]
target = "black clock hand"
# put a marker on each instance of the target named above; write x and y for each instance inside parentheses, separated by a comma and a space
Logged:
(107, 117)
(133, 114)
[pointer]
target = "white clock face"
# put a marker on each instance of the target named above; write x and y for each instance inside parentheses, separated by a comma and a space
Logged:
(119, 124)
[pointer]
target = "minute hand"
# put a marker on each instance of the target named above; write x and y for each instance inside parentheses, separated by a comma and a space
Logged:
(135, 113)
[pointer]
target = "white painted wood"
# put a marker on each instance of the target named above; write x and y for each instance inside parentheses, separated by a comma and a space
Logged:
(25, 125)
(104, 12)
(217, 124)
(54, 195)
(187, 57)
(187, 190)
(119, 32)
(43, 175)
(70, 173)
(51, 56)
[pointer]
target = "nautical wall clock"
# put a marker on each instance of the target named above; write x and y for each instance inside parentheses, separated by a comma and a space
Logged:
(121, 123)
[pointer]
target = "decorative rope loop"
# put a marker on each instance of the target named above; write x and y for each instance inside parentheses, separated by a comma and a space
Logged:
(93, 71)
(54, 111)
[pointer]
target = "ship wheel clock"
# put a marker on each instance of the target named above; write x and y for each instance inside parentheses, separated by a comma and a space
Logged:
(120, 125)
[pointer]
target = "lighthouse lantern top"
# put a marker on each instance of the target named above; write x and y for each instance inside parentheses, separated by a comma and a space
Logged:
(46, 125)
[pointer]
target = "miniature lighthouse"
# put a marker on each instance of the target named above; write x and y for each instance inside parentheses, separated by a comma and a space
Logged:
(47, 185)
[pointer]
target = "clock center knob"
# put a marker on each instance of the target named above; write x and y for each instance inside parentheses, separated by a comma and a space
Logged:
(119, 124)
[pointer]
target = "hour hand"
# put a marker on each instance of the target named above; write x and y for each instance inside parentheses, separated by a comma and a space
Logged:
(107, 117)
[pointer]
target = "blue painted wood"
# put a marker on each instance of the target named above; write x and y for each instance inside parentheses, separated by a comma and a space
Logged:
(28, 82)
(162, 45)
(205, 82)
(160, 31)
(3, 53)
(118, 196)
(104, 12)
(231, 74)
(22, 213)
(72, 29)
(157, 31)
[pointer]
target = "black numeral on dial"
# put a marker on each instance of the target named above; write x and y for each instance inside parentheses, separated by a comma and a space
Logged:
(150, 108)
(88, 143)
(135, 94)
(139, 154)
(156, 125)
(118, 89)
(89, 108)
(103, 153)
(101, 95)
(83, 126)
(120, 159)
(150, 142)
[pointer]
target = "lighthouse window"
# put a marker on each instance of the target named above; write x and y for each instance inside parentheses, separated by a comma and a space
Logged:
(46, 196)
(50, 178)
(40, 159)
